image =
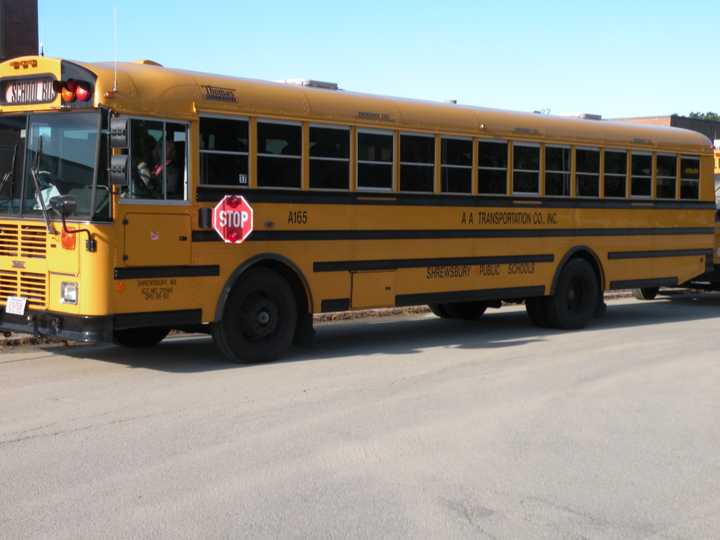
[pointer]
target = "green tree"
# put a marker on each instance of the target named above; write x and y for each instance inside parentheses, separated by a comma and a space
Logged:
(705, 116)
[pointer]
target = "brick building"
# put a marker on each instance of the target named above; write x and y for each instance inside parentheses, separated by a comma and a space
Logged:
(18, 28)
(709, 128)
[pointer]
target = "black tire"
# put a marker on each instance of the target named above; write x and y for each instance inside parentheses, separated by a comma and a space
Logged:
(576, 297)
(646, 293)
(439, 310)
(467, 311)
(139, 338)
(537, 311)
(260, 319)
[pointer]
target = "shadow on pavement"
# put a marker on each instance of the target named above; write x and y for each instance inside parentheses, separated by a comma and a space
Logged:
(403, 336)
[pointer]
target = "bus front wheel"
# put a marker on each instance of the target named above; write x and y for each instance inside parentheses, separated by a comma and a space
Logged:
(139, 338)
(259, 320)
(576, 297)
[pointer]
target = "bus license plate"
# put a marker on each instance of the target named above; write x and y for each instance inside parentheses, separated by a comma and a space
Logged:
(16, 305)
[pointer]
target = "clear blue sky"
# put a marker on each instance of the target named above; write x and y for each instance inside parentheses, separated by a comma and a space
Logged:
(616, 58)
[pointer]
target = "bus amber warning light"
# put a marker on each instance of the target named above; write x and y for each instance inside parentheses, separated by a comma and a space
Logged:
(232, 219)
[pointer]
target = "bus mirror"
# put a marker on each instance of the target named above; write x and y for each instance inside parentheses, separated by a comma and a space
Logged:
(118, 132)
(118, 170)
(65, 206)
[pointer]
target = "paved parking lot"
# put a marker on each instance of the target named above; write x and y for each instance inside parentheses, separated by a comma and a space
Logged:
(409, 427)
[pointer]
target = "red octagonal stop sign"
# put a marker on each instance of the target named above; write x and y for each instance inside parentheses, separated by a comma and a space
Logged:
(232, 219)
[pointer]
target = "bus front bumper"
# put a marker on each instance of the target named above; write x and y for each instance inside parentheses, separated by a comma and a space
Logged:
(59, 325)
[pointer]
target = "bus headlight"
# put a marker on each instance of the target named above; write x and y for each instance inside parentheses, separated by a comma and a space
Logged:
(69, 293)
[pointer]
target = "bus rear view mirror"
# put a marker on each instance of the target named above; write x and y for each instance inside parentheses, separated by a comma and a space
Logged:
(119, 132)
(65, 205)
(119, 170)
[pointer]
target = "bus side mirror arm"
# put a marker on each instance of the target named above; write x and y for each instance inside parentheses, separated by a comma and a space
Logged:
(66, 205)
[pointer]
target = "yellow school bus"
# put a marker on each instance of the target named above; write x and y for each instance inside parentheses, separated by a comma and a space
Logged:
(111, 174)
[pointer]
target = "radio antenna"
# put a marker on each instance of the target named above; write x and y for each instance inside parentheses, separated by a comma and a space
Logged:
(115, 46)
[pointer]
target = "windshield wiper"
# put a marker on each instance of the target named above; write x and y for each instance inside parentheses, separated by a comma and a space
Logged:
(10, 175)
(34, 171)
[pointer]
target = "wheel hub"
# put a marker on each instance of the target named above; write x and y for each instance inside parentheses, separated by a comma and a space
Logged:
(259, 317)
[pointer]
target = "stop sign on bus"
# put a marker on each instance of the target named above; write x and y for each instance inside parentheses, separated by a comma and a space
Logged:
(232, 219)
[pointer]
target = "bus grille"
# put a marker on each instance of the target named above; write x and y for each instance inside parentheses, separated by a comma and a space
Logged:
(28, 285)
(28, 241)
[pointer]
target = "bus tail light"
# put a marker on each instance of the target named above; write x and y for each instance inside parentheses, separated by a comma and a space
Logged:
(67, 241)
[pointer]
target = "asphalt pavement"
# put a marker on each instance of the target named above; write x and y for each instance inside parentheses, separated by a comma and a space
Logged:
(401, 427)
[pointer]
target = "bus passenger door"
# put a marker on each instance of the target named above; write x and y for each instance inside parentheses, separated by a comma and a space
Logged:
(153, 207)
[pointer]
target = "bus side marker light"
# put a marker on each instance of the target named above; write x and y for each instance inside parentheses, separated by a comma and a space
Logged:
(67, 241)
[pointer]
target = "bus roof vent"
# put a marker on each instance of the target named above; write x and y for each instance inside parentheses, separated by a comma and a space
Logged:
(589, 116)
(313, 83)
(147, 62)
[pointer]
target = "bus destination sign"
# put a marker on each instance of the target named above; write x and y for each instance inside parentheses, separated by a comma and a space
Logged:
(28, 91)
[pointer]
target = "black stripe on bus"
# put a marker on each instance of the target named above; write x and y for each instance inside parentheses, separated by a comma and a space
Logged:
(267, 236)
(215, 194)
(335, 304)
(391, 264)
(460, 296)
(143, 272)
(659, 253)
(642, 283)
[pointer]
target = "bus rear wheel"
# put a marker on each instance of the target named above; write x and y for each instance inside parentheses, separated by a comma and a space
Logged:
(646, 293)
(576, 297)
(467, 311)
(139, 338)
(258, 324)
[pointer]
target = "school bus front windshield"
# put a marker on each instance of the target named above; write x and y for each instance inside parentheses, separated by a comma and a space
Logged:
(43, 156)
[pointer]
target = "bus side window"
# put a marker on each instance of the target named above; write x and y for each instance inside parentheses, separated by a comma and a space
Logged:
(174, 163)
(492, 167)
(329, 157)
(690, 177)
(158, 160)
(456, 165)
(615, 173)
(224, 151)
(587, 165)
